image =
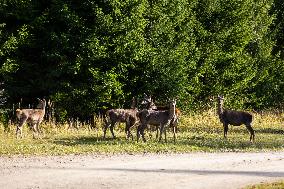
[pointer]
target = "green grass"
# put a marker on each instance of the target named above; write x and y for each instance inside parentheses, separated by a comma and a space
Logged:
(274, 185)
(197, 132)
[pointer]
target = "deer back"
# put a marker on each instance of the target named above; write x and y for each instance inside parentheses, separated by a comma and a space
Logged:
(121, 114)
(32, 114)
(157, 117)
(236, 117)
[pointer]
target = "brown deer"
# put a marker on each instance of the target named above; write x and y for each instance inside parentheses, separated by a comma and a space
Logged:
(235, 118)
(128, 116)
(32, 116)
(160, 118)
(148, 103)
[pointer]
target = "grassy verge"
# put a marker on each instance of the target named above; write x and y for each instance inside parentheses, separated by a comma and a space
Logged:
(274, 185)
(197, 132)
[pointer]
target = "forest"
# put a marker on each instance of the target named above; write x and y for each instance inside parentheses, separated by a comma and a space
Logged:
(88, 56)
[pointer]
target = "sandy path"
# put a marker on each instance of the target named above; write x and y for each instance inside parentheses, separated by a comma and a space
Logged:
(194, 170)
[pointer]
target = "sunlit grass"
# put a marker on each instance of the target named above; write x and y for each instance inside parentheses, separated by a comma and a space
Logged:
(274, 185)
(197, 132)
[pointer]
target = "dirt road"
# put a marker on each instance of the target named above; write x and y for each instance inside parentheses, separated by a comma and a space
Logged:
(194, 170)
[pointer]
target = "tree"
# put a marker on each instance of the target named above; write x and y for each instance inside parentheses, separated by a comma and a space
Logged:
(92, 55)
(234, 48)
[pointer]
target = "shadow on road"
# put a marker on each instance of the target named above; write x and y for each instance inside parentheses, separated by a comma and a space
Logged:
(200, 172)
(173, 171)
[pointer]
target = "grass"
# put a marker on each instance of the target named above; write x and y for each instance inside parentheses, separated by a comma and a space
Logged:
(274, 185)
(200, 132)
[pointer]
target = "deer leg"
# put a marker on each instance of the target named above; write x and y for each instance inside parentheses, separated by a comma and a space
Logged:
(157, 132)
(161, 131)
(19, 130)
(137, 128)
(129, 124)
(174, 131)
(226, 128)
(111, 130)
(248, 126)
(105, 129)
(130, 134)
(34, 127)
(142, 132)
(38, 127)
(127, 130)
(165, 131)
(138, 132)
(136, 124)
(39, 131)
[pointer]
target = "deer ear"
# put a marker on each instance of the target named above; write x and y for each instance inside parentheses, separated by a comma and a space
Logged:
(212, 97)
(221, 97)
(49, 102)
(145, 95)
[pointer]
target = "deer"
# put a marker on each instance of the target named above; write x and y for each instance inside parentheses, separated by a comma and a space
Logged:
(32, 116)
(128, 116)
(148, 103)
(235, 118)
(160, 118)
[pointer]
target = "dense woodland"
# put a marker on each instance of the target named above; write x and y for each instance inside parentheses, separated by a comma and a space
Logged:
(87, 56)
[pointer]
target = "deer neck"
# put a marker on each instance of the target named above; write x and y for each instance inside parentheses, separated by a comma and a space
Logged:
(150, 106)
(133, 104)
(220, 107)
(172, 112)
(43, 106)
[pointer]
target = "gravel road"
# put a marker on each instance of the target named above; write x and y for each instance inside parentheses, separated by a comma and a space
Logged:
(192, 170)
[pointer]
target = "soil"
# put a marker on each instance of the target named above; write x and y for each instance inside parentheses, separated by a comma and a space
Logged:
(191, 170)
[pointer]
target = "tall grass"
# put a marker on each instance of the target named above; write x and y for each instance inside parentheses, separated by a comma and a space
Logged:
(196, 132)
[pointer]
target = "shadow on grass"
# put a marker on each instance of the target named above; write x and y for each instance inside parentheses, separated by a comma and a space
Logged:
(270, 131)
(210, 130)
(218, 144)
(89, 140)
(183, 143)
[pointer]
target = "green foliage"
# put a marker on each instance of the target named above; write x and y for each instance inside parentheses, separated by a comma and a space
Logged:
(277, 27)
(93, 55)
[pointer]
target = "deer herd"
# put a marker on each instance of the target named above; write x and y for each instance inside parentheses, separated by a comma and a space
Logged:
(158, 117)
